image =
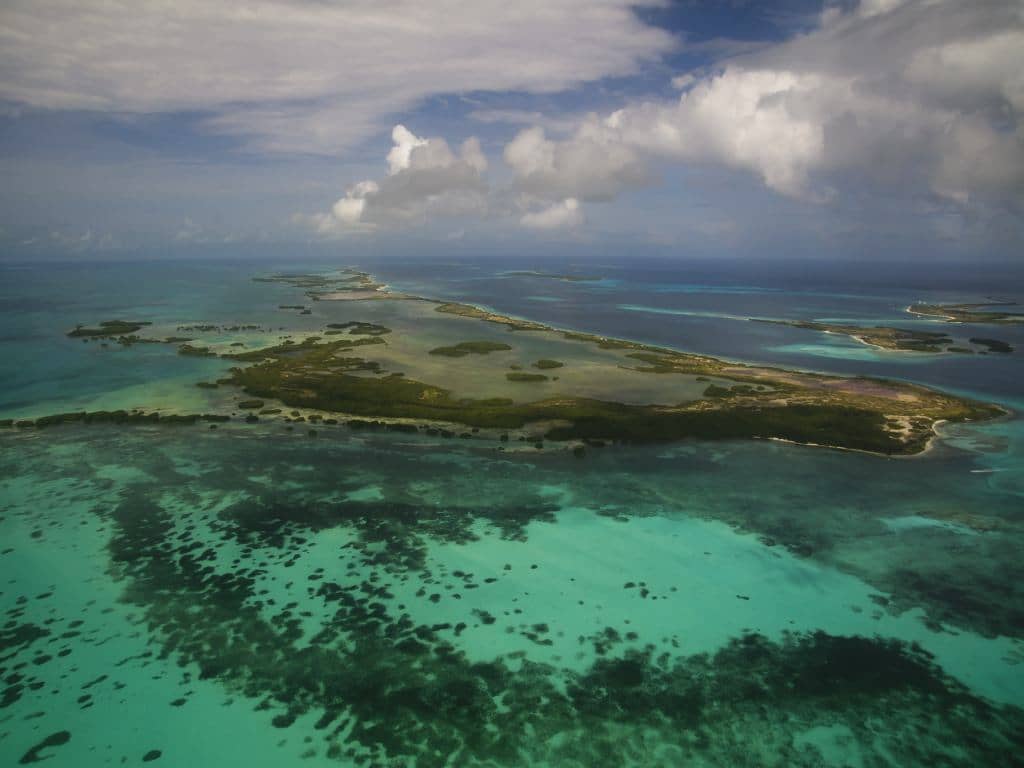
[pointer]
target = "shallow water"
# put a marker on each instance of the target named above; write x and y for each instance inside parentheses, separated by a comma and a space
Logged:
(250, 595)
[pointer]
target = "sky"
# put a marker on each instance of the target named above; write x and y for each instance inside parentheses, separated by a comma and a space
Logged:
(882, 129)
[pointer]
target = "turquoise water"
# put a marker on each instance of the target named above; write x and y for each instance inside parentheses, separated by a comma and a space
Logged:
(254, 596)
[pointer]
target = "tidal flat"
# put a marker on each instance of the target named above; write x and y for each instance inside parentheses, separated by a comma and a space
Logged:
(209, 574)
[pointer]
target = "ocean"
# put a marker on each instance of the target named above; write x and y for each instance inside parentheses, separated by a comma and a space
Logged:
(253, 596)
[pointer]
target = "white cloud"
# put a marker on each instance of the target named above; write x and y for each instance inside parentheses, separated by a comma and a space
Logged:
(920, 96)
(405, 141)
(349, 209)
(594, 164)
(684, 81)
(868, 8)
(982, 69)
(424, 178)
(564, 215)
(750, 120)
(738, 118)
(559, 123)
(307, 76)
(530, 153)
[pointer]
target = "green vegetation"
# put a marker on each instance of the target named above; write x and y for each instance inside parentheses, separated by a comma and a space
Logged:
(119, 417)
(551, 276)
(655, 363)
(828, 425)
(899, 339)
(605, 343)
(322, 372)
(993, 345)
(108, 329)
(190, 351)
(289, 347)
(315, 376)
(969, 313)
(713, 390)
(207, 328)
(316, 286)
(464, 348)
(467, 310)
(357, 328)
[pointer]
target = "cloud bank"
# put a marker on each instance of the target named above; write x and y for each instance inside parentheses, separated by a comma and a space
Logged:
(306, 75)
(911, 96)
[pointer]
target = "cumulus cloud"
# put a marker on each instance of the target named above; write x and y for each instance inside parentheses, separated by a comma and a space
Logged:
(405, 142)
(752, 120)
(564, 215)
(301, 76)
(914, 95)
(425, 177)
(594, 164)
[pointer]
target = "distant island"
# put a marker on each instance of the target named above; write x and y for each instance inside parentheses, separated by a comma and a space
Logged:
(899, 339)
(969, 313)
(452, 369)
(551, 276)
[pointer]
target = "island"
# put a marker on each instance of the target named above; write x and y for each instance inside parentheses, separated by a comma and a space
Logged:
(108, 329)
(898, 339)
(984, 312)
(414, 364)
(344, 283)
(551, 276)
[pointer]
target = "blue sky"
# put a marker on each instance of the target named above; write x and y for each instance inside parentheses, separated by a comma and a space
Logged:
(880, 128)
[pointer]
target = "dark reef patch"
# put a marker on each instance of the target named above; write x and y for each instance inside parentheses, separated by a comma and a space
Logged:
(521, 376)
(387, 686)
(53, 740)
(108, 329)
(409, 695)
(464, 348)
(391, 535)
(357, 328)
(120, 417)
(993, 345)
